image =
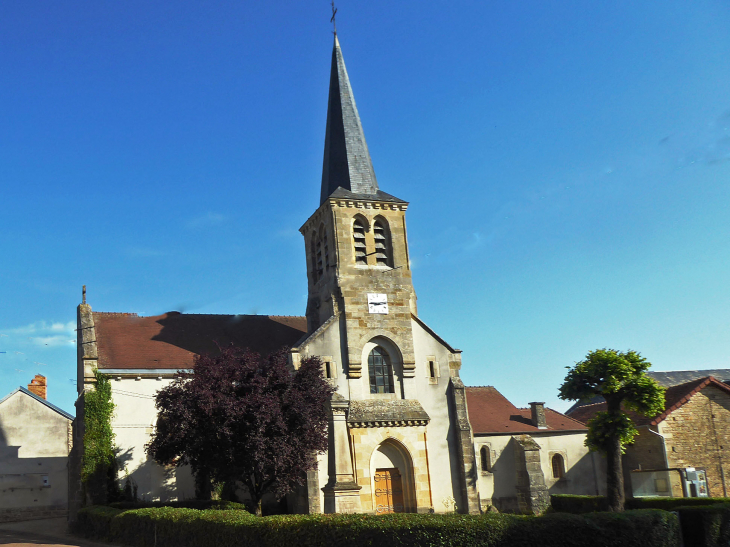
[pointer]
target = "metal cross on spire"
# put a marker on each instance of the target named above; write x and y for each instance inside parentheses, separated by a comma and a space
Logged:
(334, 13)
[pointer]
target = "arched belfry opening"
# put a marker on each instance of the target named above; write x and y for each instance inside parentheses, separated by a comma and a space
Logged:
(391, 469)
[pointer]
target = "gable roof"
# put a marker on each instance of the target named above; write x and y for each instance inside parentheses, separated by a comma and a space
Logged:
(172, 340)
(674, 398)
(491, 413)
(41, 400)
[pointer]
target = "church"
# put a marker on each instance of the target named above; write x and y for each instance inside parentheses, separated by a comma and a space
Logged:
(400, 437)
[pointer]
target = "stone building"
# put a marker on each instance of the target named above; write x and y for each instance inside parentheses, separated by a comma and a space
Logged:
(400, 435)
(526, 454)
(35, 441)
(684, 450)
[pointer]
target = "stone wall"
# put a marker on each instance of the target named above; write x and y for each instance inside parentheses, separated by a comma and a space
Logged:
(698, 435)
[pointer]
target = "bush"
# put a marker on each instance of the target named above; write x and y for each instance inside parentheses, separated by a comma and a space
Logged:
(671, 504)
(565, 503)
(705, 526)
(186, 504)
(181, 527)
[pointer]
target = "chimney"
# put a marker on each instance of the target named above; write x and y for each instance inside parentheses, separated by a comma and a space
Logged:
(38, 386)
(538, 415)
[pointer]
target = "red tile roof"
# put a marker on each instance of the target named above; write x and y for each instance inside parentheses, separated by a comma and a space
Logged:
(674, 398)
(172, 340)
(491, 413)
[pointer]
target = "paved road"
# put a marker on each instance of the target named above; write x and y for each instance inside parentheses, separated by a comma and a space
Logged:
(45, 533)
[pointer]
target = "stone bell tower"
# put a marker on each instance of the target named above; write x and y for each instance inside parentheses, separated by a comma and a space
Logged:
(356, 245)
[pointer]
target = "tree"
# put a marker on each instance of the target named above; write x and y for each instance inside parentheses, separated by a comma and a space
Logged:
(240, 417)
(620, 378)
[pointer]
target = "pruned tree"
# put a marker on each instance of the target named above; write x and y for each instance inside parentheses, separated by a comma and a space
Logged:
(620, 378)
(241, 417)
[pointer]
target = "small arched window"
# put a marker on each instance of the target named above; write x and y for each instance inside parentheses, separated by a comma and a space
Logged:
(381, 373)
(358, 241)
(486, 459)
(558, 466)
(383, 248)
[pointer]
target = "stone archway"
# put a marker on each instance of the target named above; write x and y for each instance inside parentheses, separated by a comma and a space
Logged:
(393, 488)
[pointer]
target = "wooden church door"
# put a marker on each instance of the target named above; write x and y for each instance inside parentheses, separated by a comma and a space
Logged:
(388, 491)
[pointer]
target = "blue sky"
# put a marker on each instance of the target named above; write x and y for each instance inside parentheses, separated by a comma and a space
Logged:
(567, 165)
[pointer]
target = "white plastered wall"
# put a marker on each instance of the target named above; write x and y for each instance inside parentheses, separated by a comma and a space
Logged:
(133, 423)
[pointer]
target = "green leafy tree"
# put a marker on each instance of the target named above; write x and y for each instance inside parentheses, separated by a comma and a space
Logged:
(620, 378)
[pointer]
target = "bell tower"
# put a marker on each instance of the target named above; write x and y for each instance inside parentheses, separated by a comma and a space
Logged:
(357, 251)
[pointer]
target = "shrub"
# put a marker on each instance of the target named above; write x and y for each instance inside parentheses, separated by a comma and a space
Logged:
(705, 526)
(167, 526)
(671, 504)
(187, 504)
(565, 503)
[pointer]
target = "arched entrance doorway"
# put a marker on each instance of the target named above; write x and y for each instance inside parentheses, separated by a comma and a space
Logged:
(391, 468)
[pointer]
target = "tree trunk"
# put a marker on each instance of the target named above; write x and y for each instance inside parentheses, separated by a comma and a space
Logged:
(259, 512)
(614, 469)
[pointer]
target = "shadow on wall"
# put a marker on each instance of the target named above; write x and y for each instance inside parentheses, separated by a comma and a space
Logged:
(584, 477)
(164, 479)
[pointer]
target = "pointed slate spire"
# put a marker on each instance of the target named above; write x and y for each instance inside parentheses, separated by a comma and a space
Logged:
(347, 162)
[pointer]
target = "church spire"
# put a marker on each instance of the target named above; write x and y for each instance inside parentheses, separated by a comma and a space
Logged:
(347, 162)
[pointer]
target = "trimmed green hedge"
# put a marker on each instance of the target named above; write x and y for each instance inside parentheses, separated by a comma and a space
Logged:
(186, 504)
(705, 526)
(170, 527)
(567, 503)
(671, 504)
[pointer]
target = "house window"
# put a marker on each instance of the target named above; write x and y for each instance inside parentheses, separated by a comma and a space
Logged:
(486, 459)
(358, 240)
(381, 373)
(383, 250)
(558, 466)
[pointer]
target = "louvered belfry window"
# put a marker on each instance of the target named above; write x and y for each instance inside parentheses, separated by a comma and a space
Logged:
(381, 373)
(358, 236)
(319, 267)
(383, 254)
(323, 237)
(313, 252)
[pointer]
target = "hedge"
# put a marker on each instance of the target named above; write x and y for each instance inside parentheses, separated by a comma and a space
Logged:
(187, 504)
(564, 503)
(705, 526)
(168, 527)
(671, 504)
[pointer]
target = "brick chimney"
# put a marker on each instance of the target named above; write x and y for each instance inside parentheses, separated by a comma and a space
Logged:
(38, 386)
(538, 415)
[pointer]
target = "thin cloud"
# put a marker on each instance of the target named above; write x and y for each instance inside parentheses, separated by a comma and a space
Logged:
(44, 333)
(207, 220)
(143, 252)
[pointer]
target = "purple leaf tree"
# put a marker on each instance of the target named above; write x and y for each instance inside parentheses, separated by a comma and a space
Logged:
(240, 417)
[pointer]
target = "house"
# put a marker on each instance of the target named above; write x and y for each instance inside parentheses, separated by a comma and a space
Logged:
(683, 450)
(400, 435)
(526, 454)
(35, 441)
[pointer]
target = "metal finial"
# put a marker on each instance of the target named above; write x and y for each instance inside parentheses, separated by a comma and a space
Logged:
(334, 12)
(83, 295)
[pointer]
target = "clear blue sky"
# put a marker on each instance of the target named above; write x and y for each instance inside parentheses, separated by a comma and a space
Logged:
(567, 165)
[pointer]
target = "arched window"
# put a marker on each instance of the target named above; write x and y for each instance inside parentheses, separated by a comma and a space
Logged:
(381, 373)
(558, 466)
(358, 241)
(486, 459)
(383, 249)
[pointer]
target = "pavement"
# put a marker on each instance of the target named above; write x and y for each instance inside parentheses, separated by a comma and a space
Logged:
(42, 532)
